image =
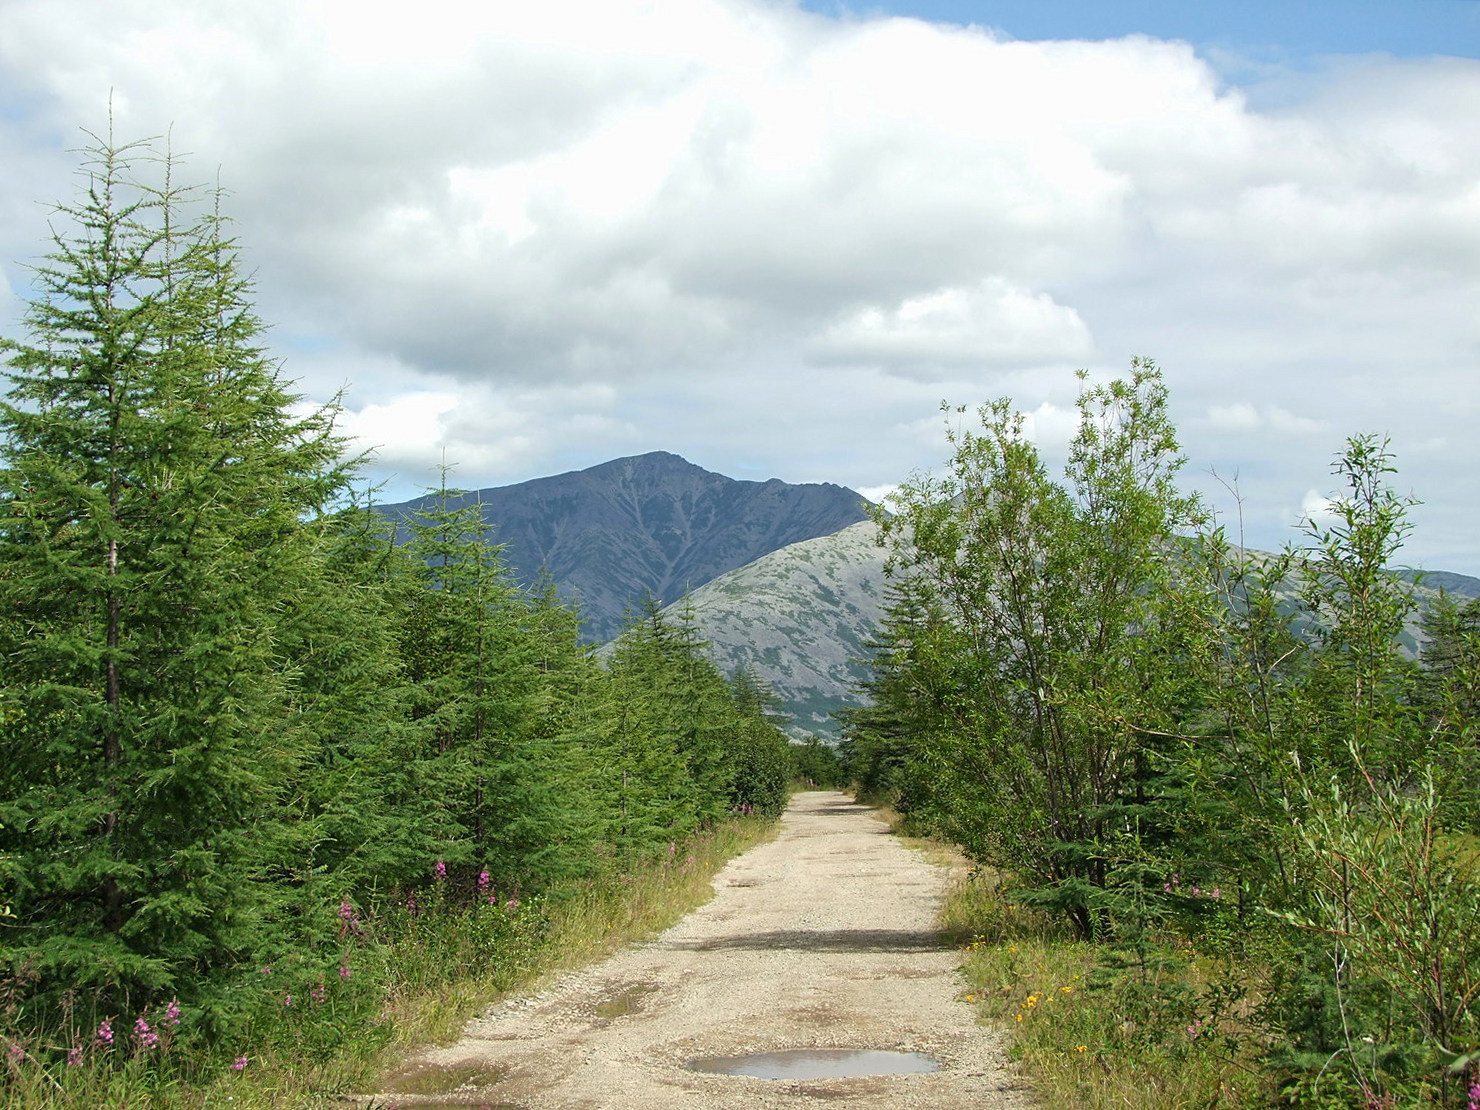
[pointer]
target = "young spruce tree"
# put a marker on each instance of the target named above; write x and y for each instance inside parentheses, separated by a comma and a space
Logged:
(154, 483)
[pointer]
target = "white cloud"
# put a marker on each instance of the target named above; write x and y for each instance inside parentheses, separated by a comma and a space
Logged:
(408, 430)
(1051, 427)
(992, 325)
(1317, 509)
(879, 494)
(769, 235)
(1242, 417)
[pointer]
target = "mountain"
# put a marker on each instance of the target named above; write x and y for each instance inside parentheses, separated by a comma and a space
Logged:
(801, 618)
(653, 523)
(1462, 586)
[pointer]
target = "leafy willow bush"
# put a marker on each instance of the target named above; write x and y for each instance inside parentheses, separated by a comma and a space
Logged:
(1173, 743)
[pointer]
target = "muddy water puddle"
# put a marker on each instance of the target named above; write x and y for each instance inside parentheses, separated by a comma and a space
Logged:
(439, 1086)
(817, 1063)
(624, 1002)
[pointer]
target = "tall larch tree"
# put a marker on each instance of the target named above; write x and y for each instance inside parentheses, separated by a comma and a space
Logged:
(155, 481)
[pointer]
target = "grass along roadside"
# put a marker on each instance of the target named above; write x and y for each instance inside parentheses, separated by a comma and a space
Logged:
(415, 973)
(1096, 1026)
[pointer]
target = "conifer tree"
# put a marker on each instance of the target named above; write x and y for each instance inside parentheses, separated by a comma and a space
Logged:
(649, 796)
(910, 676)
(362, 822)
(486, 662)
(700, 710)
(760, 756)
(154, 483)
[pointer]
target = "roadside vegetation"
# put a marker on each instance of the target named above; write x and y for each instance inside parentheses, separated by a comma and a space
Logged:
(1225, 831)
(280, 787)
(284, 791)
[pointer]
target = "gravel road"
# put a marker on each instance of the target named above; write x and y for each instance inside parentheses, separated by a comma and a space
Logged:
(821, 938)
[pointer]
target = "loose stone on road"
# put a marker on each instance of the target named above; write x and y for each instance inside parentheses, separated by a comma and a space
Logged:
(822, 938)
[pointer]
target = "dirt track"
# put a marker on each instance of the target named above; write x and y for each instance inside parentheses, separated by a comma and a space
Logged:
(821, 938)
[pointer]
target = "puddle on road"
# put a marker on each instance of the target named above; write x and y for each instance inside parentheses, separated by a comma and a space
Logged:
(817, 1063)
(624, 1002)
(431, 1079)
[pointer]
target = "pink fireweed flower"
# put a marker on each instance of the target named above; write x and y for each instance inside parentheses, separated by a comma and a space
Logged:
(1474, 1094)
(105, 1031)
(74, 1057)
(146, 1037)
(483, 880)
(319, 993)
(349, 921)
(172, 1012)
(287, 1000)
(439, 872)
(344, 971)
(266, 970)
(239, 1063)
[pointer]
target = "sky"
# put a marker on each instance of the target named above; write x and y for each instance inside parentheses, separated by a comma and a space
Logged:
(774, 236)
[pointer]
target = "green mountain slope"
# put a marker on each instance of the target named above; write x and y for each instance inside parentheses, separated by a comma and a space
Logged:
(801, 617)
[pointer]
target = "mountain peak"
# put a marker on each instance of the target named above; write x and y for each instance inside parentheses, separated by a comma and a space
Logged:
(647, 524)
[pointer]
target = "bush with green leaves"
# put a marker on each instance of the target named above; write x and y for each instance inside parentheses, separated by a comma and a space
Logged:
(1166, 738)
(1044, 647)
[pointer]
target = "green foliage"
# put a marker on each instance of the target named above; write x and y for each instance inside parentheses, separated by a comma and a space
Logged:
(681, 745)
(1449, 698)
(1175, 744)
(155, 489)
(268, 770)
(885, 742)
(1042, 635)
(816, 764)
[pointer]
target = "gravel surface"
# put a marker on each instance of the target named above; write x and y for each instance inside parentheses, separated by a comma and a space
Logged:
(821, 938)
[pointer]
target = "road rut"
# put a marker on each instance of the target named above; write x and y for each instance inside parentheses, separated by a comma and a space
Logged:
(822, 938)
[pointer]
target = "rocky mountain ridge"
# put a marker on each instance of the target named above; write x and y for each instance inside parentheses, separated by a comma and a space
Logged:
(650, 524)
(785, 579)
(801, 618)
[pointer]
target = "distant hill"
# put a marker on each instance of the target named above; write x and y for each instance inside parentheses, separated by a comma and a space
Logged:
(1462, 586)
(801, 618)
(653, 523)
(787, 579)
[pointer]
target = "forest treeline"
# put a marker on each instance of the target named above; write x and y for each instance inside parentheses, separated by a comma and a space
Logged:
(240, 722)
(1177, 747)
